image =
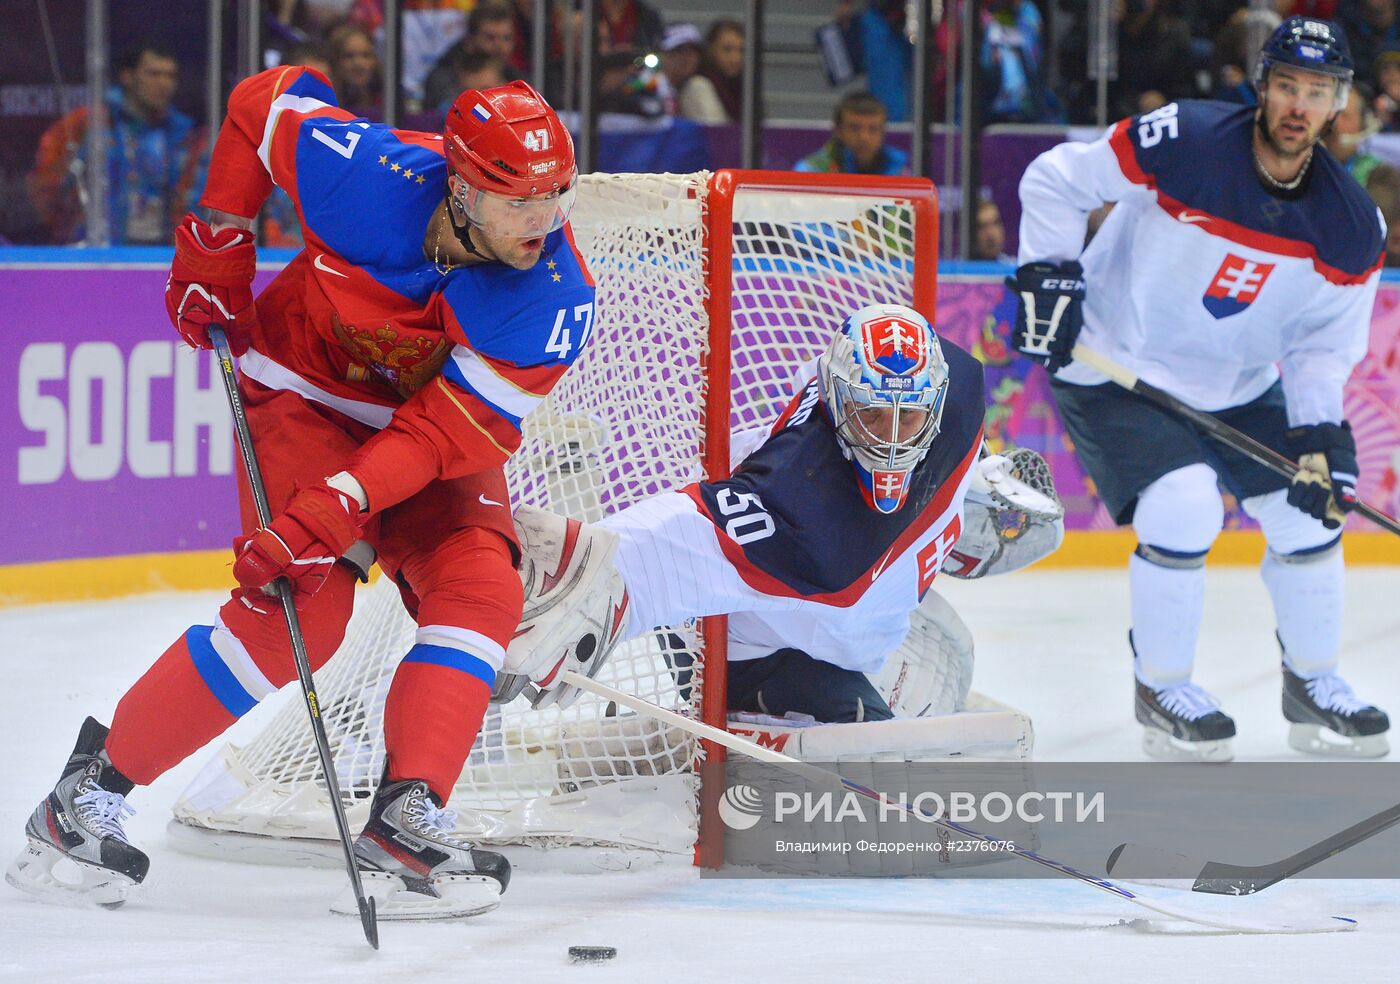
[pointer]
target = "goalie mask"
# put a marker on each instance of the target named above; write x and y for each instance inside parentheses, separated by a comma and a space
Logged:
(510, 164)
(883, 380)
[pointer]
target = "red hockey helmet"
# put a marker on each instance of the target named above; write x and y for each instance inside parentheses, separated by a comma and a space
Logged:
(510, 145)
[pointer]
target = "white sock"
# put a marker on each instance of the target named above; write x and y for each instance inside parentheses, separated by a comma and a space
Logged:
(1167, 605)
(1308, 595)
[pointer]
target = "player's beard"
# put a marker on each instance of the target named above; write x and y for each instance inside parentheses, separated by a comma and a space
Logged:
(1284, 153)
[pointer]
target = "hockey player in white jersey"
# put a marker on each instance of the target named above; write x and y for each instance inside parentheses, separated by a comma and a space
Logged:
(1238, 247)
(821, 545)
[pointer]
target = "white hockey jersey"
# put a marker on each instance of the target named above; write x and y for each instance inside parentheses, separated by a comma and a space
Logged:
(1200, 280)
(789, 546)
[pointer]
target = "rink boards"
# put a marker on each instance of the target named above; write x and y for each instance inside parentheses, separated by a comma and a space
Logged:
(117, 460)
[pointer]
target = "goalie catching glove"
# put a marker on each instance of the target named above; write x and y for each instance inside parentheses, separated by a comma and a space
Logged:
(1011, 519)
(575, 612)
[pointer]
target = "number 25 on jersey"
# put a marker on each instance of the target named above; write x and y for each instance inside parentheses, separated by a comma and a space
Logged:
(1154, 125)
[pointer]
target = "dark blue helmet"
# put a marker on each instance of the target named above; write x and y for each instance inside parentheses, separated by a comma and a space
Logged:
(1310, 44)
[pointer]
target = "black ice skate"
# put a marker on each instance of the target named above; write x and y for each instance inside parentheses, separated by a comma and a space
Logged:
(77, 849)
(1328, 719)
(413, 865)
(1184, 723)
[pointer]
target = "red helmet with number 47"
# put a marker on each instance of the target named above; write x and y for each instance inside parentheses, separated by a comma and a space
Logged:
(508, 143)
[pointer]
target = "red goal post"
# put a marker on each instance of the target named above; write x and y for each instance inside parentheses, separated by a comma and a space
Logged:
(719, 246)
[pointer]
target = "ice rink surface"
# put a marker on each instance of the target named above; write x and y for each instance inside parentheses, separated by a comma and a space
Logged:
(1052, 644)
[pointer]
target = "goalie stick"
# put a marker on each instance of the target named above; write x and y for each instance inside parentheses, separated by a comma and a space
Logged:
(1223, 878)
(284, 594)
(1221, 431)
(1192, 913)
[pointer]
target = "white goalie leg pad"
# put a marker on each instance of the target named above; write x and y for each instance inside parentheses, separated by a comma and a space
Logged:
(988, 730)
(931, 671)
(576, 605)
(989, 746)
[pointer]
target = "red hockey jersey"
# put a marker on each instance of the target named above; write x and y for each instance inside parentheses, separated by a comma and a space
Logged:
(447, 364)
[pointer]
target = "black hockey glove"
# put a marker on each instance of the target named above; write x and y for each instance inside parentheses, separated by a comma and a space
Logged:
(1050, 312)
(1325, 486)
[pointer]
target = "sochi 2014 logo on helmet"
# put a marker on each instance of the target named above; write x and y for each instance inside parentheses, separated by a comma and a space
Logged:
(894, 348)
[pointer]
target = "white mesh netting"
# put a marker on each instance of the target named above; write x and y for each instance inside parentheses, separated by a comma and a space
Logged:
(625, 422)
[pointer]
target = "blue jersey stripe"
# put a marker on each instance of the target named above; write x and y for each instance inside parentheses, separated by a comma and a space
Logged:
(310, 87)
(453, 659)
(216, 676)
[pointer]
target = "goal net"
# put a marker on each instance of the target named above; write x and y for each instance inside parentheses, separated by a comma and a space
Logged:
(712, 289)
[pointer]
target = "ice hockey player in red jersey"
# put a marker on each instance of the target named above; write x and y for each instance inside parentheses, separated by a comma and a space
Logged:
(1238, 248)
(386, 371)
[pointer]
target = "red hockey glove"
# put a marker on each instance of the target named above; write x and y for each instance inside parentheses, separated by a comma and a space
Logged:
(302, 544)
(211, 283)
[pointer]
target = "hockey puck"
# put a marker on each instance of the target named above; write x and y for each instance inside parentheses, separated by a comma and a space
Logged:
(591, 954)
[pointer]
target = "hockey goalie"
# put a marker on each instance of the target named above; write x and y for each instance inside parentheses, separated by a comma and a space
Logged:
(821, 547)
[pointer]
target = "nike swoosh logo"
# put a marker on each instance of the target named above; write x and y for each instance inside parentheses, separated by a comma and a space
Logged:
(488, 502)
(1193, 218)
(880, 567)
(319, 264)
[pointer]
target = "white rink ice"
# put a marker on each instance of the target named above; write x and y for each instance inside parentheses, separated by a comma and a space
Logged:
(1052, 644)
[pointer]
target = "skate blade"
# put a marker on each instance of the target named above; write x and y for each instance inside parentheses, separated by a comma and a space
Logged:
(1317, 739)
(46, 872)
(1160, 745)
(460, 896)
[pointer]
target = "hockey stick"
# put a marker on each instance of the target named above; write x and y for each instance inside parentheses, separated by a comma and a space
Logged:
(1217, 429)
(289, 612)
(1222, 878)
(1189, 913)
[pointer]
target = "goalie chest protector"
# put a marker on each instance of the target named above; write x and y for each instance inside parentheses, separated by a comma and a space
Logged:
(821, 540)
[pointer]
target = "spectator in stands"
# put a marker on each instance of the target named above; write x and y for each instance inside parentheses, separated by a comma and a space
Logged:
(1387, 68)
(989, 234)
(1392, 234)
(1234, 49)
(857, 144)
(1369, 25)
(479, 70)
(628, 24)
(880, 46)
(628, 85)
(682, 47)
(1013, 77)
(1154, 57)
(715, 93)
(1354, 124)
(312, 54)
(356, 73)
(154, 156)
(491, 31)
